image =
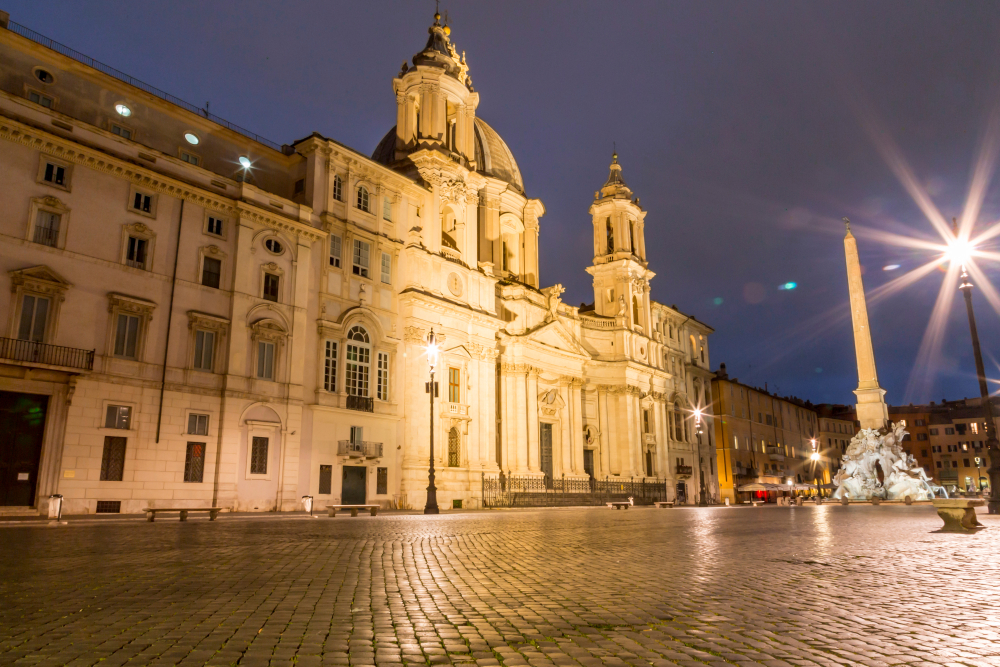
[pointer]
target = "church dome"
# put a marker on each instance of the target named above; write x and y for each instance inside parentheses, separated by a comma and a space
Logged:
(493, 156)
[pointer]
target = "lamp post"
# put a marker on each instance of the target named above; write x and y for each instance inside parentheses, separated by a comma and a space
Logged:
(702, 499)
(992, 444)
(431, 507)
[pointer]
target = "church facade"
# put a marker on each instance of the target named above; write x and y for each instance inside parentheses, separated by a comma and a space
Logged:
(197, 316)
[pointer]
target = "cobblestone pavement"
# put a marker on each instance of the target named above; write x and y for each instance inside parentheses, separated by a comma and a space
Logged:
(772, 586)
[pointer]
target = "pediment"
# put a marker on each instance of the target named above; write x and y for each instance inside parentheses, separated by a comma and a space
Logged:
(39, 274)
(554, 334)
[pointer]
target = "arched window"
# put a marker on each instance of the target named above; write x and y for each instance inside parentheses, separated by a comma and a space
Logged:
(359, 355)
(635, 310)
(631, 237)
(338, 188)
(453, 443)
(610, 231)
(363, 203)
(678, 423)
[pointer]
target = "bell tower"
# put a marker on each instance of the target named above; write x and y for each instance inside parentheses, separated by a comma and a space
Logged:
(620, 271)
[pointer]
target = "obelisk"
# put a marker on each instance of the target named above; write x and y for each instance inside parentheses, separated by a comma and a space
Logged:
(871, 408)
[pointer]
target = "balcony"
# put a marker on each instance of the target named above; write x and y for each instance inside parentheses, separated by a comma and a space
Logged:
(776, 453)
(30, 352)
(47, 236)
(359, 450)
(684, 471)
(360, 403)
(740, 471)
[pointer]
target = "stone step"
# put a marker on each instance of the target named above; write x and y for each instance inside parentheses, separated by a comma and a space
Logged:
(15, 510)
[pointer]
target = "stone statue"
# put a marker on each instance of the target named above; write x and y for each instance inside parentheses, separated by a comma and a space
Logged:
(621, 306)
(902, 475)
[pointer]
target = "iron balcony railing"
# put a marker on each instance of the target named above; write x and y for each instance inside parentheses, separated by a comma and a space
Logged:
(28, 33)
(47, 236)
(516, 491)
(28, 351)
(359, 450)
(684, 470)
(360, 403)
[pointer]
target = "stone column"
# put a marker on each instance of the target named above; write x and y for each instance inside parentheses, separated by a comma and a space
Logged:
(566, 439)
(576, 429)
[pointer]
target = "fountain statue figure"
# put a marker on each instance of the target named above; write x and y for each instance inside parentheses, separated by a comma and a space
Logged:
(871, 449)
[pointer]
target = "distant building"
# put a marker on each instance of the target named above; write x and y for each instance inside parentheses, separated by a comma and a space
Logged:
(761, 437)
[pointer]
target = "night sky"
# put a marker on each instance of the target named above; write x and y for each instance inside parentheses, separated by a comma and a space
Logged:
(739, 125)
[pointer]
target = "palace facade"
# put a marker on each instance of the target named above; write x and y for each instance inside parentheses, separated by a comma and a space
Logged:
(195, 315)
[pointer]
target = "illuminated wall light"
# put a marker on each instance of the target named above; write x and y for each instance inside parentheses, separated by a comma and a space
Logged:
(123, 110)
(788, 286)
(192, 138)
(245, 162)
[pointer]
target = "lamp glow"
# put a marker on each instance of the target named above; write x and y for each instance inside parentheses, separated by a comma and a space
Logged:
(245, 162)
(815, 456)
(959, 252)
(123, 110)
(193, 139)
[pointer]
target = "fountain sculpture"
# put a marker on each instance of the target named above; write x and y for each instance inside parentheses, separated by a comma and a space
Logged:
(902, 476)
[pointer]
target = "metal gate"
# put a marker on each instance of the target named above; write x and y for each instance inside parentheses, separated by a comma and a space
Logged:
(513, 491)
(545, 452)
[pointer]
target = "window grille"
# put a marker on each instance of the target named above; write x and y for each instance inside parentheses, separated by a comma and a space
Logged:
(258, 456)
(381, 481)
(325, 480)
(453, 445)
(113, 460)
(194, 462)
(47, 228)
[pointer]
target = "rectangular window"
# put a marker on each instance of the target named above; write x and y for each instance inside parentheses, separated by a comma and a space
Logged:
(194, 462)
(211, 272)
(381, 481)
(190, 159)
(204, 350)
(454, 385)
(335, 251)
(265, 360)
(386, 268)
(38, 98)
(127, 336)
(921, 436)
(358, 364)
(142, 202)
(938, 464)
(325, 480)
(214, 225)
(299, 187)
(34, 315)
(382, 388)
(974, 427)
(258, 456)
(54, 174)
(361, 256)
(338, 188)
(271, 283)
(197, 424)
(357, 434)
(47, 228)
(949, 431)
(122, 132)
(135, 254)
(113, 460)
(965, 462)
(645, 421)
(933, 431)
(330, 366)
(118, 416)
(387, 209)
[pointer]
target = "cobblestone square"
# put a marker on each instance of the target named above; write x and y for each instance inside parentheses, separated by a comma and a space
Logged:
(769, 586)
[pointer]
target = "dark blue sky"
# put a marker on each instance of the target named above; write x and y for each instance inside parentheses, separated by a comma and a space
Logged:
(736, 124)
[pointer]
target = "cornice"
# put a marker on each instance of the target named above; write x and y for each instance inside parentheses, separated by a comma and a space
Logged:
(70, 151)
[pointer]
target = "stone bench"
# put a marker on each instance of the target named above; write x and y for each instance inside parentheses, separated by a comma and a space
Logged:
(959, 514)
(212, 512)
(755, 503)
(663, 503)
(620, 505)
(333, 509)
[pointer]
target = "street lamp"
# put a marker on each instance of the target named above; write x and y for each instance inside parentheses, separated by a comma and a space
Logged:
(960, 251)
(431, 507)
(703, 500)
